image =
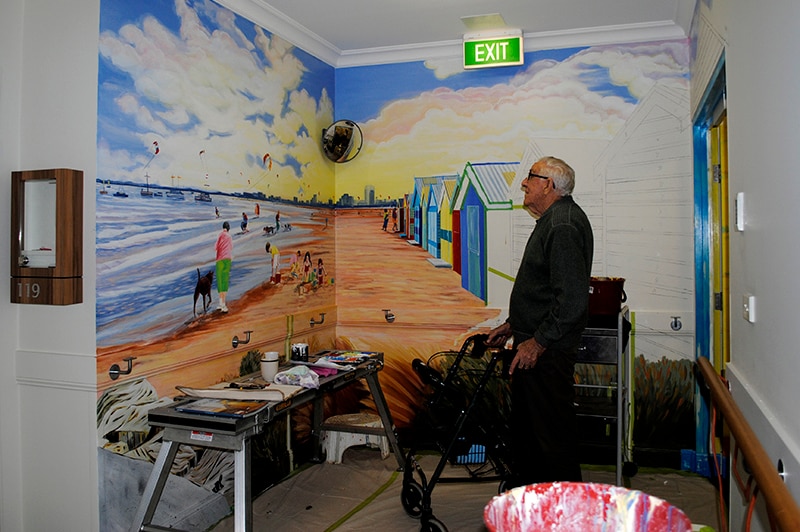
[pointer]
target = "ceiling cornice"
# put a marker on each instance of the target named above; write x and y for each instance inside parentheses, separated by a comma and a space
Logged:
(279, 24)
(261, 13)
(550, 40)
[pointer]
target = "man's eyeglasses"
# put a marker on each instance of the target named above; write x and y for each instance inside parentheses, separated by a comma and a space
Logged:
(531, 174)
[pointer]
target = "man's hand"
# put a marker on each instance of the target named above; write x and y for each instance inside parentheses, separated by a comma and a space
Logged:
(499, 335)
(527, 355)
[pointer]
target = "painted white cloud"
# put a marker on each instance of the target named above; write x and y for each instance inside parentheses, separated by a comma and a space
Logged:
(445, 68)
(209, 90)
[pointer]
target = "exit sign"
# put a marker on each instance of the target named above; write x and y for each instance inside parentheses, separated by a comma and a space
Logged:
(493, 52)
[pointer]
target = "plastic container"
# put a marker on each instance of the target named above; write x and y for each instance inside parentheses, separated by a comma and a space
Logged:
(606, 295)
(475, 455)
(582, 507)
(269, 365)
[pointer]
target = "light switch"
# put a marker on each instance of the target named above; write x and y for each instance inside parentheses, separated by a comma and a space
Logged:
(749, 307)
(739, 207)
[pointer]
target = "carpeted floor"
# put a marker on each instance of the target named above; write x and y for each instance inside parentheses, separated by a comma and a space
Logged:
(363, 493)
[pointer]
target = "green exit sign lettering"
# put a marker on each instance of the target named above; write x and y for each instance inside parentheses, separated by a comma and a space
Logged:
(493, 52)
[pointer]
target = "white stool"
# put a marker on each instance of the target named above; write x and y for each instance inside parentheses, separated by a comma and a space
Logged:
(335, 442)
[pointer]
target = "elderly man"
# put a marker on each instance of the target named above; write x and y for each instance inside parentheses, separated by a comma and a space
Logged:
(548, 312)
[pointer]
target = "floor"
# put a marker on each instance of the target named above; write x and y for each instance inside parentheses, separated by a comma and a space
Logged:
(363, 493)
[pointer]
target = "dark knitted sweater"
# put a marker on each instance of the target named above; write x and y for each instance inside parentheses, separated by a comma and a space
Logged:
(550, 297)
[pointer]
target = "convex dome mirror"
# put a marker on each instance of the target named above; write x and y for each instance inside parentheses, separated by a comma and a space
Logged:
(342, 140)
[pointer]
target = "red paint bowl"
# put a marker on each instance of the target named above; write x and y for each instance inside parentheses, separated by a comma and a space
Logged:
(582, 507)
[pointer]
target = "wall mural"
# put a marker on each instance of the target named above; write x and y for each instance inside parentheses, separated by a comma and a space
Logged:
(203, 119)
(206, 118)
(619, 114)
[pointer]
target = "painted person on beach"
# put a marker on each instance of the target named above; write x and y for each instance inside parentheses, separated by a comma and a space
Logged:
(320, 272)
(244, 222)
(224, 254)
(273, 251)
(307, 264)
(394, 220)
(385, 219)
(309, 274)
(295, 263)
(277, 221)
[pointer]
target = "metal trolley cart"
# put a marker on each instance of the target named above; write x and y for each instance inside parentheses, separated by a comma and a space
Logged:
(601, 405)
(461, 415)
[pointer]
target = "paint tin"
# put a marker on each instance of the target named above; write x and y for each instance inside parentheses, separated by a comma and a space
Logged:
(270, 362)
(300, 352)
(606, 295)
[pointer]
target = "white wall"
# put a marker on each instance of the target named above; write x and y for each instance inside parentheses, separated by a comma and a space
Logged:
(764, 130)
(48, 116)
(10, 69)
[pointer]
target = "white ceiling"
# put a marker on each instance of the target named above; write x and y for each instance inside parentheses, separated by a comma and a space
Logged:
(348, 32)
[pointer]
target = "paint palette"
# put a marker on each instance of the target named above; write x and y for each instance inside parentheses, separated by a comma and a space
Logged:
(582, 507)
(347, 358)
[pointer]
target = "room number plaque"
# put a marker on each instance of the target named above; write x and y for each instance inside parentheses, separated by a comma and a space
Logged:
(47, 237)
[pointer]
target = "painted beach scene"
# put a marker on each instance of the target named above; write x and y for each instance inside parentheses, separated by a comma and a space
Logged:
(153, 251)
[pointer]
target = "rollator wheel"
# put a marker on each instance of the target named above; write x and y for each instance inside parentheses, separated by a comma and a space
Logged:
(503, 487)
(432, 525)
(411, 498)
(629, 469)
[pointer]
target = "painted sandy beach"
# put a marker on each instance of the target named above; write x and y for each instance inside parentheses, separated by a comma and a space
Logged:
(372, 270)
(150, 252)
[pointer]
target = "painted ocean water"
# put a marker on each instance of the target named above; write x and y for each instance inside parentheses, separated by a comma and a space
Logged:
(150, 248)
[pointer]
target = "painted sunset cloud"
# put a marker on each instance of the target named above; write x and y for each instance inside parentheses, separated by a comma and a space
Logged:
(589, 95)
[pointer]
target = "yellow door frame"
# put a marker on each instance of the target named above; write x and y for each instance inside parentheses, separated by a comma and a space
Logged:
(720, 269)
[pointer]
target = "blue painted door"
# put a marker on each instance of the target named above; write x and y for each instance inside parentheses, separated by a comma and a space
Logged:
(474, 255)
(433, 232)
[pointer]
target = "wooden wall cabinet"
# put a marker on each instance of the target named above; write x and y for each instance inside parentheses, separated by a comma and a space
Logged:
(47, 237)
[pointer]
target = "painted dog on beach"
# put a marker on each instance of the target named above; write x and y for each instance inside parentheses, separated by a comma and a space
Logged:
(203, 289)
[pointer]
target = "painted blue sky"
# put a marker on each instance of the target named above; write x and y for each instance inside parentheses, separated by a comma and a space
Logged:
(401, 81)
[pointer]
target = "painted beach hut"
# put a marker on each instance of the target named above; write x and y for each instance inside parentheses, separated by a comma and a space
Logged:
(427, 190)
(438, 218)
(415, 211)
(482, 206)
(402, 215)
(647, 234)
(432, 220)
(408, 217)
(446, 218)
